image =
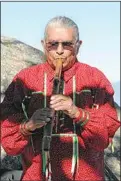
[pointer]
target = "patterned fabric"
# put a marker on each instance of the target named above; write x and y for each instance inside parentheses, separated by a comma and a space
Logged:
(93, 137)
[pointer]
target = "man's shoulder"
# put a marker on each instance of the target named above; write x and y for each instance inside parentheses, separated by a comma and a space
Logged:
(30, 71)
(90, 73)
(87, 67)
(33, 68)
(95, 76)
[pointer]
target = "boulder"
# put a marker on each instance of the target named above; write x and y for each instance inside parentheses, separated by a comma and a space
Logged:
(112, 153)
(15, 55)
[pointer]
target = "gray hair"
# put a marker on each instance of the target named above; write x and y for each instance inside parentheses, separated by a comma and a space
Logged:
(63, 22)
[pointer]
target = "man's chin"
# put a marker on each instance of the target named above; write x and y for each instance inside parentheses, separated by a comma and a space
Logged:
(68, 66)
(51, 64)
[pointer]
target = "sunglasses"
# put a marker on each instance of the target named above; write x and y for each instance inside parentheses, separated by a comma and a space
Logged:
(53, 45)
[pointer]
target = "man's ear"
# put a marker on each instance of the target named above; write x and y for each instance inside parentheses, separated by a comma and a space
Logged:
(80, 42)
(44, 49)
(78, 46)
(43, 44)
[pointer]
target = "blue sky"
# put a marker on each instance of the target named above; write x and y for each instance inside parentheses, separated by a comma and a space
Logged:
(99, 25)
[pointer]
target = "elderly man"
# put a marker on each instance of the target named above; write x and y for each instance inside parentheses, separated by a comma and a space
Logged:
(86, 119)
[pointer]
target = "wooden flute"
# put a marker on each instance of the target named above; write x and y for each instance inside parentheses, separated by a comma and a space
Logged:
(56, 89)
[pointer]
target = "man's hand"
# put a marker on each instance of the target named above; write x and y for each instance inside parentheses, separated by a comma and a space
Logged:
(65, 104)
(39, 119)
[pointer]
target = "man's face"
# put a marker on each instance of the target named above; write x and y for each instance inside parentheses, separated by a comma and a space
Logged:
(60, 43)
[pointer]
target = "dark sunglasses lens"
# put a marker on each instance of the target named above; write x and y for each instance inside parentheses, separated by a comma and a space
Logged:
(67, 45)
(54, 45)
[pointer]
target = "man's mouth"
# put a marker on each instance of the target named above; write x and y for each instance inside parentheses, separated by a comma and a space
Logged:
(63, 59)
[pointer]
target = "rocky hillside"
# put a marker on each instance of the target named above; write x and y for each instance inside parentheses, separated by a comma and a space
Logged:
(16, 55)
(112, 156)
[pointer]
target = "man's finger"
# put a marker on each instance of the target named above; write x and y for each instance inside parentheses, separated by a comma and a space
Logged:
(58, 97)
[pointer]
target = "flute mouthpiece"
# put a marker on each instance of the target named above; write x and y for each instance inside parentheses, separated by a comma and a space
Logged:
(58, 68)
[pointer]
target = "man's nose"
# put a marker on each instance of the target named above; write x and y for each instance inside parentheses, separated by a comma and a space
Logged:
(60, 49)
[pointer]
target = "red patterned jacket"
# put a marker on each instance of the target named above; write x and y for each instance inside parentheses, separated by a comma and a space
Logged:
(93, 137)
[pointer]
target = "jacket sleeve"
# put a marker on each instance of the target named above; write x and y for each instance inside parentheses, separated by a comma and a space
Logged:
(103, 122)
(101, 127)
(12, 139)
(12, 115)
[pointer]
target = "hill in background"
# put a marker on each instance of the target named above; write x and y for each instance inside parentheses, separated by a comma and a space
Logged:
(16, 55)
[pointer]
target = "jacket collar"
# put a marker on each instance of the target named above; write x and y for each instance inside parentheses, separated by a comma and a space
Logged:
(67, 74)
